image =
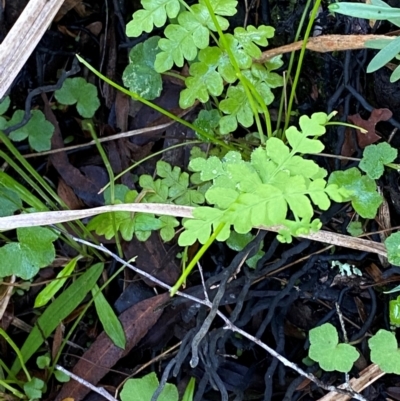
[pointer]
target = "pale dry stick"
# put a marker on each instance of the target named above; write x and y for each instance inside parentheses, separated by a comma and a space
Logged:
(63, 216)
(346, 339)
(23, 38)
(228, 323)
(324, 44)
(367, 376)
(126, 134)
(98, 390)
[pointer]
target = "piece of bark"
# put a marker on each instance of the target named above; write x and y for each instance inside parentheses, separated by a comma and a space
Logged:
(324, 44)
(23, 37)
(103, 354)
(366, 378)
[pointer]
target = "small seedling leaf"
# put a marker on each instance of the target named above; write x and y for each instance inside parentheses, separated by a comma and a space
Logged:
(154, 13)
(140, 76)
(361, 191)
(394, 311)
(375, 157)
(83, 94)
(392, 244)
(61, 376)
(34, 388)
(34, 250)
(143, 389)
(326, 350)
(38, 130)
(43, 361)
(385, 352)
(111, 325)
(355, 228)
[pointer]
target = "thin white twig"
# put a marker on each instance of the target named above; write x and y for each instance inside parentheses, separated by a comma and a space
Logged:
(98, 390)
(228, 324)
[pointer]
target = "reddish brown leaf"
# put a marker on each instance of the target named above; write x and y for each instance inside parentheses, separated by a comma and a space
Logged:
(68, 196)
(103, 354)
(371, 136)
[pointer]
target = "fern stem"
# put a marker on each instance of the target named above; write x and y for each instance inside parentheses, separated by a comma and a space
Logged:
(238, 72)
(147, 158)
(289, 70)
(300, 63)
(110, 172)
(154, 106)
(195, 259)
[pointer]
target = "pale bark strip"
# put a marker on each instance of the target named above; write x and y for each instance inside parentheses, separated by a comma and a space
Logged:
(324, 44)
(63, 216)
(370, 374)
(23, 37)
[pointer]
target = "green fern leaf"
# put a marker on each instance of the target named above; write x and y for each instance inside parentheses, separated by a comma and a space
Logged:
(154, 13)
(140, 76)
(361, 191)
(222, 7)
(250, 37)
(204, 79)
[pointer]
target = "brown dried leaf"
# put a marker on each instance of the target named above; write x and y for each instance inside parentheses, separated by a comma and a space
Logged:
(153, 257)
(103, 354)
(371, 136)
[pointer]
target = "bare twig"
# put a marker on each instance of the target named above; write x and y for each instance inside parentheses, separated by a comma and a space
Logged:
(324, 44)
(228, 324)
(98, 390)
(62, 216)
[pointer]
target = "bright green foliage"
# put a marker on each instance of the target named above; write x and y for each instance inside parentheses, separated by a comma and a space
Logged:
(168, 225)
(260, 192)
(127, 223)
(154, 13)
(143, 389)
(375, 157)
(355, 228)
(394, 312)
(35, 388)
(204, 79)
(172, 187)
(34, 250)
(38, 130)
(182, 41)
(84, 94)
(140, 76)
(52, 288)
(192, 32)
(111, 325)
(392, 244)
(61, 376)
(361, 191)
(385, 352)
(250, 36)
(326, 350)
(43, 361)
(10, 202)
